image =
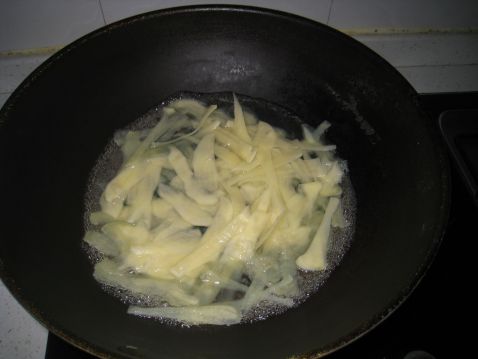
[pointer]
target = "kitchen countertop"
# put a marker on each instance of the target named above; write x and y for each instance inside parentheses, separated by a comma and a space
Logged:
(434, 44)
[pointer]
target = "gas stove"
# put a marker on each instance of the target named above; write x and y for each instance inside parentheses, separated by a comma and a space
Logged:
(432, 321)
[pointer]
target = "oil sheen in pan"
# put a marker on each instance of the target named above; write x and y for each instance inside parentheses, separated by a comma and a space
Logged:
(111, 159)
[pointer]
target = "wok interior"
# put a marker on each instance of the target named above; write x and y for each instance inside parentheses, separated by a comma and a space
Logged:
(58, 123)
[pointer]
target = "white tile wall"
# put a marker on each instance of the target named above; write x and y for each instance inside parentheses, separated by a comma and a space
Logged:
(14, 69)
(429, 79)
(117, 9)
(446, 60)
(28, 24)
(433, 62)
(425, 50)
(404, 14)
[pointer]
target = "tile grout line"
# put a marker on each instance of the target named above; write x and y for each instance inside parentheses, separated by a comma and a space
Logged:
(39, 51)
(49, 50)
(408, 31)
(102, 12)
(330, 11)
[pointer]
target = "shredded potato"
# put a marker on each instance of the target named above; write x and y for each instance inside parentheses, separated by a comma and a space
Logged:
(215, 215)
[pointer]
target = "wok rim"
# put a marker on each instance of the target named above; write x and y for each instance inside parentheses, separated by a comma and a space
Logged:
(439, 148)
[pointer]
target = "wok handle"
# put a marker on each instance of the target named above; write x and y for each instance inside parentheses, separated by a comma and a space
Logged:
(460, 131)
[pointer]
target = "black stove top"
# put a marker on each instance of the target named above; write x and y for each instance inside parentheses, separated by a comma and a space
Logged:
(436, 321)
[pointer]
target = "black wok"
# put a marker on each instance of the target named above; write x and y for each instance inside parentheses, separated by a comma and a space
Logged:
(55, 125)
